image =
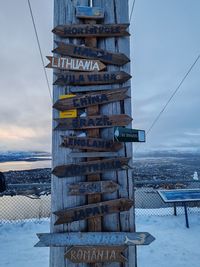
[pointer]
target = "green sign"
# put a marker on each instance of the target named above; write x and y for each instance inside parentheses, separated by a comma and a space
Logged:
(122, 134)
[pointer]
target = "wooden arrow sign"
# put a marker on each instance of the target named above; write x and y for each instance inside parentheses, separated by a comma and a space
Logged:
(83, 78)
(88, 188)
(77, 64)
(92, 210)
(91, 99)
(94, 154)
(91, 30)
(80, 51)
(94, 239)
(94, 254)
(85, 168)
(99, 121)
(94, 144)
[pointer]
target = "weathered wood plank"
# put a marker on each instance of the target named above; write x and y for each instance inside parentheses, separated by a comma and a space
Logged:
(95, 254)
(85, 12)
(94, 154)
(86, 168)
(83, 78)
(94, 239)
(81, 51)
(91, 99)
(92, 210)
(75, 64)
(95, 30)
(94, 144)
(84, 89)
(93, 122)
(89, 188)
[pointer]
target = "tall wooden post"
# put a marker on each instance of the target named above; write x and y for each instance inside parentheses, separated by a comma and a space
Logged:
(116, 12)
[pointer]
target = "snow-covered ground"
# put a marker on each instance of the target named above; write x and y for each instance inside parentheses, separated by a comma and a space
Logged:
(175, 245)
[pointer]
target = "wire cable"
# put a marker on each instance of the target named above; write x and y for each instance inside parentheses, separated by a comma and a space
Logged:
(132, 9)
(40, 50)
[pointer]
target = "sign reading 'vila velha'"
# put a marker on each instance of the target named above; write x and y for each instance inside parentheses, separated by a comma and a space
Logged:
(93, 122)
(94, 144)
(91, 99)
(91, 30)
(67, 63)
(92, 210)
(86, 168)
(88, 254)
(80, 51)
(81, 78)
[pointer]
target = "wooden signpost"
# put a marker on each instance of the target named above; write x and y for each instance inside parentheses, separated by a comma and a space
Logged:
(92, 210)
(94, 239)
(94, 254)
(85, 12)
(80, 51)
(91, 99)
(67, 63)
(85, 168)
(83, 78)
(91, 30)
(88, 188)
(99, 121)
(94, 144)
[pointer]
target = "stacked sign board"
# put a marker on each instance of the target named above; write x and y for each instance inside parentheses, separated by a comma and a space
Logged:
(84, 66)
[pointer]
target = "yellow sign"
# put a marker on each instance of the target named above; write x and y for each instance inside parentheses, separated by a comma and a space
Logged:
(68, 113)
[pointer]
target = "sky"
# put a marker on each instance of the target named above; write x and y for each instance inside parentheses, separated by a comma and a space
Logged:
(164, 44)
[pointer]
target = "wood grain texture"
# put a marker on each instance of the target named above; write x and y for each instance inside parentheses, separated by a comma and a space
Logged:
(94, 30)
(97, 122)
(80, 51)
(91, 99)
(92, 210)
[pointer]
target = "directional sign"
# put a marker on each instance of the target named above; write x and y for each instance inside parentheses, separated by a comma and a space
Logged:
(66, 114)
(94, 254)
(85, 12)
(83, 78)
(77, 64)
(88, 188)
(80, 51)
(94, 239)
(91, 30)
(122, 134)
(100, 121)
(92, 210)
(85, 168)
(91, 99)
(94, 154)
(94, 144)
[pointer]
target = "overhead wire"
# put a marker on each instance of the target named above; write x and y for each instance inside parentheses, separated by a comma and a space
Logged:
(40, 50)
(132, 9)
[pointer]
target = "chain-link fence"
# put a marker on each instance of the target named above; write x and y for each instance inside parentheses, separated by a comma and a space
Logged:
(147, 202)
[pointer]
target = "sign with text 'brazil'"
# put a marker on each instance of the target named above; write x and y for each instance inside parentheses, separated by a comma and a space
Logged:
(86, 52)
(90, 167)
(83, 78)
(92, 210)
(91, 30)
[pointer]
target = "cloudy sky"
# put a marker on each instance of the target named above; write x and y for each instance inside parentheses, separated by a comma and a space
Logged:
(165, 42)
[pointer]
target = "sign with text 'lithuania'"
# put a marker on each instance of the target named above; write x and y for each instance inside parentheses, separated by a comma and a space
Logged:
(91, 30)
(86, 168)
(84, 78)
(99, 121)
(67, 63)
(92, 210)
(86, 52)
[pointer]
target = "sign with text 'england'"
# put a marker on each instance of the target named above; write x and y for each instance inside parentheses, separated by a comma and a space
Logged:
(91, 99)
(81, 51)
(84, 78)
(95, 122)
(91, 30)
(90, 167)
(67, 63)
(92, 210)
